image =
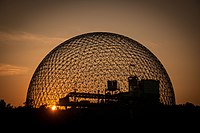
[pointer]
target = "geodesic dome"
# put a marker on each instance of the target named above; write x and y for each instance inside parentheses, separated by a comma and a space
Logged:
(86, 62)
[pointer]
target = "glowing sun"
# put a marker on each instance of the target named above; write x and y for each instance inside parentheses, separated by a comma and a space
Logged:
(53, 108)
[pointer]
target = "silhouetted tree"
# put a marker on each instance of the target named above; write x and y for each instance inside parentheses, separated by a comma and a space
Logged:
(9, 106)
(4, 106)
(188, 104)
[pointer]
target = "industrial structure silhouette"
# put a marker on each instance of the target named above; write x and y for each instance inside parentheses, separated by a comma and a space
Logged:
(99, 67)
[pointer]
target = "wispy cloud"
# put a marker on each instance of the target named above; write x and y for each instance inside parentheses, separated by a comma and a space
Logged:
(9, 70)
(25, 36)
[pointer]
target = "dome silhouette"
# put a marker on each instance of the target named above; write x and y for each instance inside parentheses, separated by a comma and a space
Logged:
(86, 62)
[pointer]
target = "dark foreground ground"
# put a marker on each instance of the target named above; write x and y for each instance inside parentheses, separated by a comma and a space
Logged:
(116, 118)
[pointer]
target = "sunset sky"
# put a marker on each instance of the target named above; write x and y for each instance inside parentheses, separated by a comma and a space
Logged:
(30, 29)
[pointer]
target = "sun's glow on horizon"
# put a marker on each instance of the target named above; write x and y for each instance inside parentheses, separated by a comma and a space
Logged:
(53, 108)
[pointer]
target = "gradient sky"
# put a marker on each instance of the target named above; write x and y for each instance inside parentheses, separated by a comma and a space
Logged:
(30, 29)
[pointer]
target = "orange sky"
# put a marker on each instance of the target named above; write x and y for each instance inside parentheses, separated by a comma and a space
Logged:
(30, 29)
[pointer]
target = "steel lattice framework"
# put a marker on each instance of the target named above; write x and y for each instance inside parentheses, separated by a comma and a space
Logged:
(87, 61)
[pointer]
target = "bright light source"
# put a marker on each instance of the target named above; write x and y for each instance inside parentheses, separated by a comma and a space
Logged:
(53, 107)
